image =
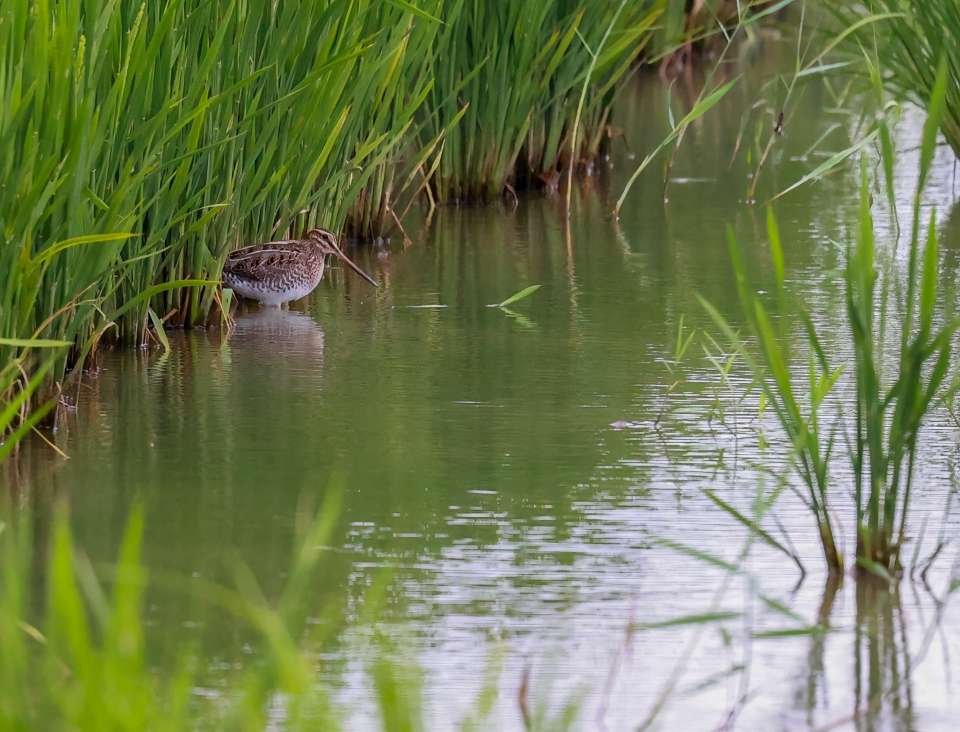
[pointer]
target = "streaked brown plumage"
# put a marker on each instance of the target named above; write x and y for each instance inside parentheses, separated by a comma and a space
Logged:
(281, 271)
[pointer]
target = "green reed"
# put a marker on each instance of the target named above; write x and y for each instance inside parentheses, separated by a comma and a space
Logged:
(74, 646)
(287, 145)
(387, 102)
(515, 71)
(910, 37)
(20, 379)
(893, 396)
(140, 143)
(83, 664)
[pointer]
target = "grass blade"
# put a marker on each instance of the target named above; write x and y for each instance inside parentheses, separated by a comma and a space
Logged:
(517, 296)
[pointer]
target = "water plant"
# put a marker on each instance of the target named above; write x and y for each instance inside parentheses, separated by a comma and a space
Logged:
(81, 661)
(892, 397)
(515, 72)
(141, 143)
(17, 388)
(912, 37)
(387, 102)
(172, 134)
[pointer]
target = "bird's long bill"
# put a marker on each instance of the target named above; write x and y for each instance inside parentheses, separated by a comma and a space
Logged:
(349, 262)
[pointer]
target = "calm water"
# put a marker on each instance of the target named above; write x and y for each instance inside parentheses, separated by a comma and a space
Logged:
(507, 474)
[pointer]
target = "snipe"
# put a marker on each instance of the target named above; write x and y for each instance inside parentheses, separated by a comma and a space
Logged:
(281, 271)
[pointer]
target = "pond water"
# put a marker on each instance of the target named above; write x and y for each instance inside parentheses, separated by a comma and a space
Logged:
(506, 475)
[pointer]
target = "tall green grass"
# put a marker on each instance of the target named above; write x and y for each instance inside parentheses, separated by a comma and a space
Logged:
(908, 38)
(893, 393)
(75, 657)
(387, 102)
(20, 379)
(515, 72)
(140, 143)
(74, 650)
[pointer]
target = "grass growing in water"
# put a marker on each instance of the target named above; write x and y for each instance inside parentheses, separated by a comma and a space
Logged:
(73, 650)
(17, 388)
(515, 71)
(911, 37)
(388, 102)
(84, 665)
(140, 143)
(889, 408)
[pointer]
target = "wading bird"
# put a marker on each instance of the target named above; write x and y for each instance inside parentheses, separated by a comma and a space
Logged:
(281, 271)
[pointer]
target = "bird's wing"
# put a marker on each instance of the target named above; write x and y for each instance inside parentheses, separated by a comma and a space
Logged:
(259, 260)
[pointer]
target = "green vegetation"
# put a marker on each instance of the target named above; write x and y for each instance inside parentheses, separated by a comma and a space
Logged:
(907, 39)
(515, 72)
(16, 390)
(888, 408)
(140, 143)
(84, 664)
(385, 104)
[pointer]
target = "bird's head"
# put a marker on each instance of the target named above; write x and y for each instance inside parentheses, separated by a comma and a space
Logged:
(326, 241)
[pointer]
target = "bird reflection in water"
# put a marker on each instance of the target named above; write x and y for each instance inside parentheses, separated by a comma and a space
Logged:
(271, 336)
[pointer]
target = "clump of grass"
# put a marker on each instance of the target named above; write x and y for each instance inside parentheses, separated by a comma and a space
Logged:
(893, 396)
(139, 143)
(74, 651)
(81, 663)
(515, 71)
(17, 388)
(910, 37)
(388, 101)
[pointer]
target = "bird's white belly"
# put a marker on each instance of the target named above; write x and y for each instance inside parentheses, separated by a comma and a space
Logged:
(269, 295)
